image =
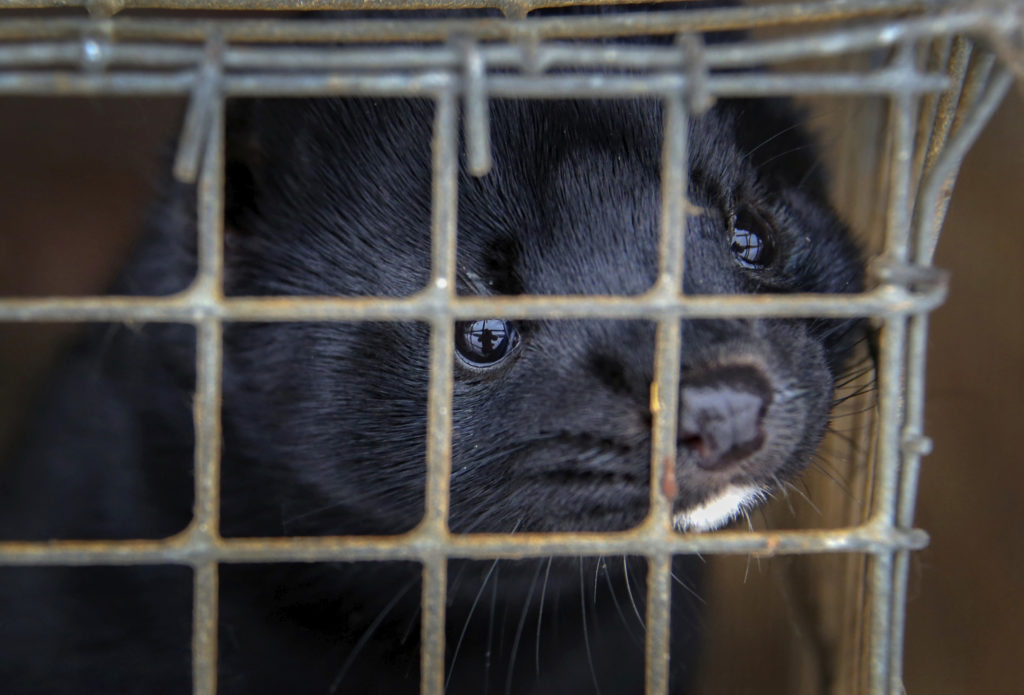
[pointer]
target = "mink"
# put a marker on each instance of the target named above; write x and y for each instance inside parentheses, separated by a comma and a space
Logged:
(324, 423)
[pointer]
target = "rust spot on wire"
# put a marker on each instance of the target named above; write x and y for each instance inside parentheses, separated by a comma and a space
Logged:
(669, 484)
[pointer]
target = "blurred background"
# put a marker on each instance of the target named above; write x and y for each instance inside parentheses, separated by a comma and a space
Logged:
(75, 180)
(964, 633)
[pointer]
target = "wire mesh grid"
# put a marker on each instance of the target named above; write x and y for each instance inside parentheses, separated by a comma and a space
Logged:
(941, 90)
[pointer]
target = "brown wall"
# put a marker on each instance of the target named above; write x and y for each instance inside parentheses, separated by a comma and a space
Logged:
(966, 610)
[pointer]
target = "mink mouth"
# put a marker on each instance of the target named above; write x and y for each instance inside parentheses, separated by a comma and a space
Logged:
(575, 481)
(620, 501)
(693, 511)
(718, 508)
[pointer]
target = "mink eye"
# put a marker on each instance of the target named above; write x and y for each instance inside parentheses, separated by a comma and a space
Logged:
(487, 342)
(752, 241)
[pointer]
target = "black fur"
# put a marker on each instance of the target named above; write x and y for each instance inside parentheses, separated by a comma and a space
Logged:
(324, 424)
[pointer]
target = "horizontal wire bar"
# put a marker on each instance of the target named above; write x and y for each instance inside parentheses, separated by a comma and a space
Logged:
(555, 54)
(731, 85)
(428, 83)
(418, 545)
(370, 30)
(836, 6)
(849, 40)
(74, 84)
(41, 53)
(884, 301)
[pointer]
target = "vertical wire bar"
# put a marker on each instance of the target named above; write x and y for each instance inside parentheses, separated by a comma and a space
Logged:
(444, 178)
(890, 381)
(659, 623)
(973, 84)
(435, 579)
(477, 127)
(204, 629)
(668, 342)
(443, 231)
(932, 135)
(205, 523)
(880, 621)
(904, 108)
(913, 448)
(938, 59)
(665, 391)
(196, 126)
(947, 102)
(935, 193)
(210, 244)
(209, 371)
(897, 249)
(942, 168)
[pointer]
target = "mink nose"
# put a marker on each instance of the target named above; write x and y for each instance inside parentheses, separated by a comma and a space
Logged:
(721, 416)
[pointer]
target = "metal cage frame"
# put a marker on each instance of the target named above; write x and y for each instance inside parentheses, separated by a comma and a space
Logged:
(937, 108)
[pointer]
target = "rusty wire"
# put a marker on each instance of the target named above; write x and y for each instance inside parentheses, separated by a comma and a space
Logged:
(473, 59)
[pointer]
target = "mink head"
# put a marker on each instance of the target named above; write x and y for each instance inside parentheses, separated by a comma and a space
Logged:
(551, 418)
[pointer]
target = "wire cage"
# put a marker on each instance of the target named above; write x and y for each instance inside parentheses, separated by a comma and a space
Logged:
(929, 72)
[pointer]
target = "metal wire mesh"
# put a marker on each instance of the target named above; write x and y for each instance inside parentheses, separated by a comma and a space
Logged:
(941, 91)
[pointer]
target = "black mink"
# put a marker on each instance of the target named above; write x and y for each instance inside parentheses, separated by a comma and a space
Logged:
(325, 423)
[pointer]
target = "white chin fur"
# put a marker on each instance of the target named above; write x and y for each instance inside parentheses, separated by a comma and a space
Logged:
(720, 509)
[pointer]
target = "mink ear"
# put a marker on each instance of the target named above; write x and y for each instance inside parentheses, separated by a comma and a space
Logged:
(243, 162)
